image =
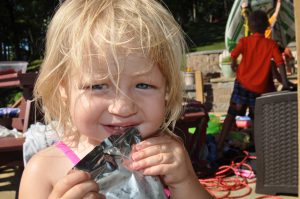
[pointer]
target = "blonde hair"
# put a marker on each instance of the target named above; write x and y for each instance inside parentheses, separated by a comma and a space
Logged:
(80, 27)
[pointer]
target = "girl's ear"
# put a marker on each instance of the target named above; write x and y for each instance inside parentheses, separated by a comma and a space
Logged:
(63, 92)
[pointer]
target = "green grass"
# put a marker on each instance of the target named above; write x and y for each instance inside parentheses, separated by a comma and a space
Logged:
(213, 46)
(206, 36)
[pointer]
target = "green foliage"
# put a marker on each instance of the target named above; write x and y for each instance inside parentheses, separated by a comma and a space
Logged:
(9, 96)
(34, 65)
(206, 34)
(23, 25)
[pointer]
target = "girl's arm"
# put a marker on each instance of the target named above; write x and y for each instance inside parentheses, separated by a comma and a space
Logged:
(35, 182)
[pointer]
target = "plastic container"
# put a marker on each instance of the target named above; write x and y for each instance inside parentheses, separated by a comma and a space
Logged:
(189, 78)
(13, 67)
(243, 121)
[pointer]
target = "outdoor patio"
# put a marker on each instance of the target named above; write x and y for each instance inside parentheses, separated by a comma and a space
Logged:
(214, 92)
(9, 183)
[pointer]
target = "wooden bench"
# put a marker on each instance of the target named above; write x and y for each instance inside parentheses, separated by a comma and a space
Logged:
(194, 142)
(11, 148)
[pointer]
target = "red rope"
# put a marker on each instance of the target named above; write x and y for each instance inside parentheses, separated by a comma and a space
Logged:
(230, 178)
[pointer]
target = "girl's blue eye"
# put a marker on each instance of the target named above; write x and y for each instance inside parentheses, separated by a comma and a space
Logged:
(143, 86)
(99, 86)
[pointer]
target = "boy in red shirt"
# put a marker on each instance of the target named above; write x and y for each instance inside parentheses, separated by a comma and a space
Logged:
(253, 73)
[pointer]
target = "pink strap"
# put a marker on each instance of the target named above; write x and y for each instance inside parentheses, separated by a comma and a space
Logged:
(67, 151)
(167, 192)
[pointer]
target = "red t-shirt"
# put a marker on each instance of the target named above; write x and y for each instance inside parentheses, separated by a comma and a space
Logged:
(254, 70)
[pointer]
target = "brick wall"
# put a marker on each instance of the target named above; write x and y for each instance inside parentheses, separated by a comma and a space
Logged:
(205, 61)
(217, 95)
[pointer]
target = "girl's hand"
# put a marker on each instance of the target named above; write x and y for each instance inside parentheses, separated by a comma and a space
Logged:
(163, 156)
(77, 184)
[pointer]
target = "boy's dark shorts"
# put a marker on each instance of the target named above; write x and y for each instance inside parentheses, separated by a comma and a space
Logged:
(241, 95)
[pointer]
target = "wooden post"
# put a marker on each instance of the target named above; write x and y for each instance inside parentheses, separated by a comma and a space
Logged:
(297, 32)
(199, 86)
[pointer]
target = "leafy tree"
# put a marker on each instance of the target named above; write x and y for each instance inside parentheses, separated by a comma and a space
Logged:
(23, 26)
(203, 20)
(23, 23)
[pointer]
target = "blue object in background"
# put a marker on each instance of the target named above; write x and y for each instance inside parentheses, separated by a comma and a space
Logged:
(212, 148)
(9, 112)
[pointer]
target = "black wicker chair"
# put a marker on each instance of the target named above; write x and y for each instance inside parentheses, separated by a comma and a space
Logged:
(276, 142)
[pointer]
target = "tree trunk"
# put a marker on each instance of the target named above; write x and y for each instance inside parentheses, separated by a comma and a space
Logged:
(15, 32)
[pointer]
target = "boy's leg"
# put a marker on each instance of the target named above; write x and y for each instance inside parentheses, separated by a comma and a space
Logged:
(239, 102)
(251, 115)
(233, 111)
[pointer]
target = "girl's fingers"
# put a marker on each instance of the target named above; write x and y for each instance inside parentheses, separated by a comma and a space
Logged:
(63, 185)
(159, 140)
(94, 195)
(83, 190)
(164, 141)
(161, 158)
(149, 151)
(77, 184)
(159, 170)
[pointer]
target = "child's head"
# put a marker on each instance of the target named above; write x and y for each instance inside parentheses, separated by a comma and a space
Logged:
(98, 46)
(244, 4)
(258, 21)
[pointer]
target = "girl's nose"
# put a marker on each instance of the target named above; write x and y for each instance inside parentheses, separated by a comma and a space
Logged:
(122, 106)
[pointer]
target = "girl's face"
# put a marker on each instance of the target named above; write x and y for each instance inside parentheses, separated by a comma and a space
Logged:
(103, 109)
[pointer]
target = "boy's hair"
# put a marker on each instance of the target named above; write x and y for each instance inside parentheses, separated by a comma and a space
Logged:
(258, 21)
(82, 30)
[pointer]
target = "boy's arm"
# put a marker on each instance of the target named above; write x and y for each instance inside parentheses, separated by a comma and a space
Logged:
(284, 80)
(275, 72)
(287, 85)
(235, 54)
(234, 64)
(277, 9)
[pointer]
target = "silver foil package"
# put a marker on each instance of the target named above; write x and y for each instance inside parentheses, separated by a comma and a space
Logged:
(107, 165)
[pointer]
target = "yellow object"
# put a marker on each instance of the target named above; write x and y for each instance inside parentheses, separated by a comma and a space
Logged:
(268, 32)
(189, 69)
(244, 13)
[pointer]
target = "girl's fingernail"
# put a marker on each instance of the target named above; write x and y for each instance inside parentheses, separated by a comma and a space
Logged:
(134, 147)
(134, 165)
(135, 156)
(139, 146)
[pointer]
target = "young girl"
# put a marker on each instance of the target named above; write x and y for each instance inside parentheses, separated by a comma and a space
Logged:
(110, 65)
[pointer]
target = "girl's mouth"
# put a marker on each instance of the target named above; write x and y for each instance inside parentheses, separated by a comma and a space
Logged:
(116, 130)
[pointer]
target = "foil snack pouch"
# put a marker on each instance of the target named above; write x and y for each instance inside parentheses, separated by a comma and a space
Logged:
(107, 165)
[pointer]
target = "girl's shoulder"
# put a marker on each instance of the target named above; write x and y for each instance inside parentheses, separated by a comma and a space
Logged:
(43, 171)
(50, 158)
(49, 164)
